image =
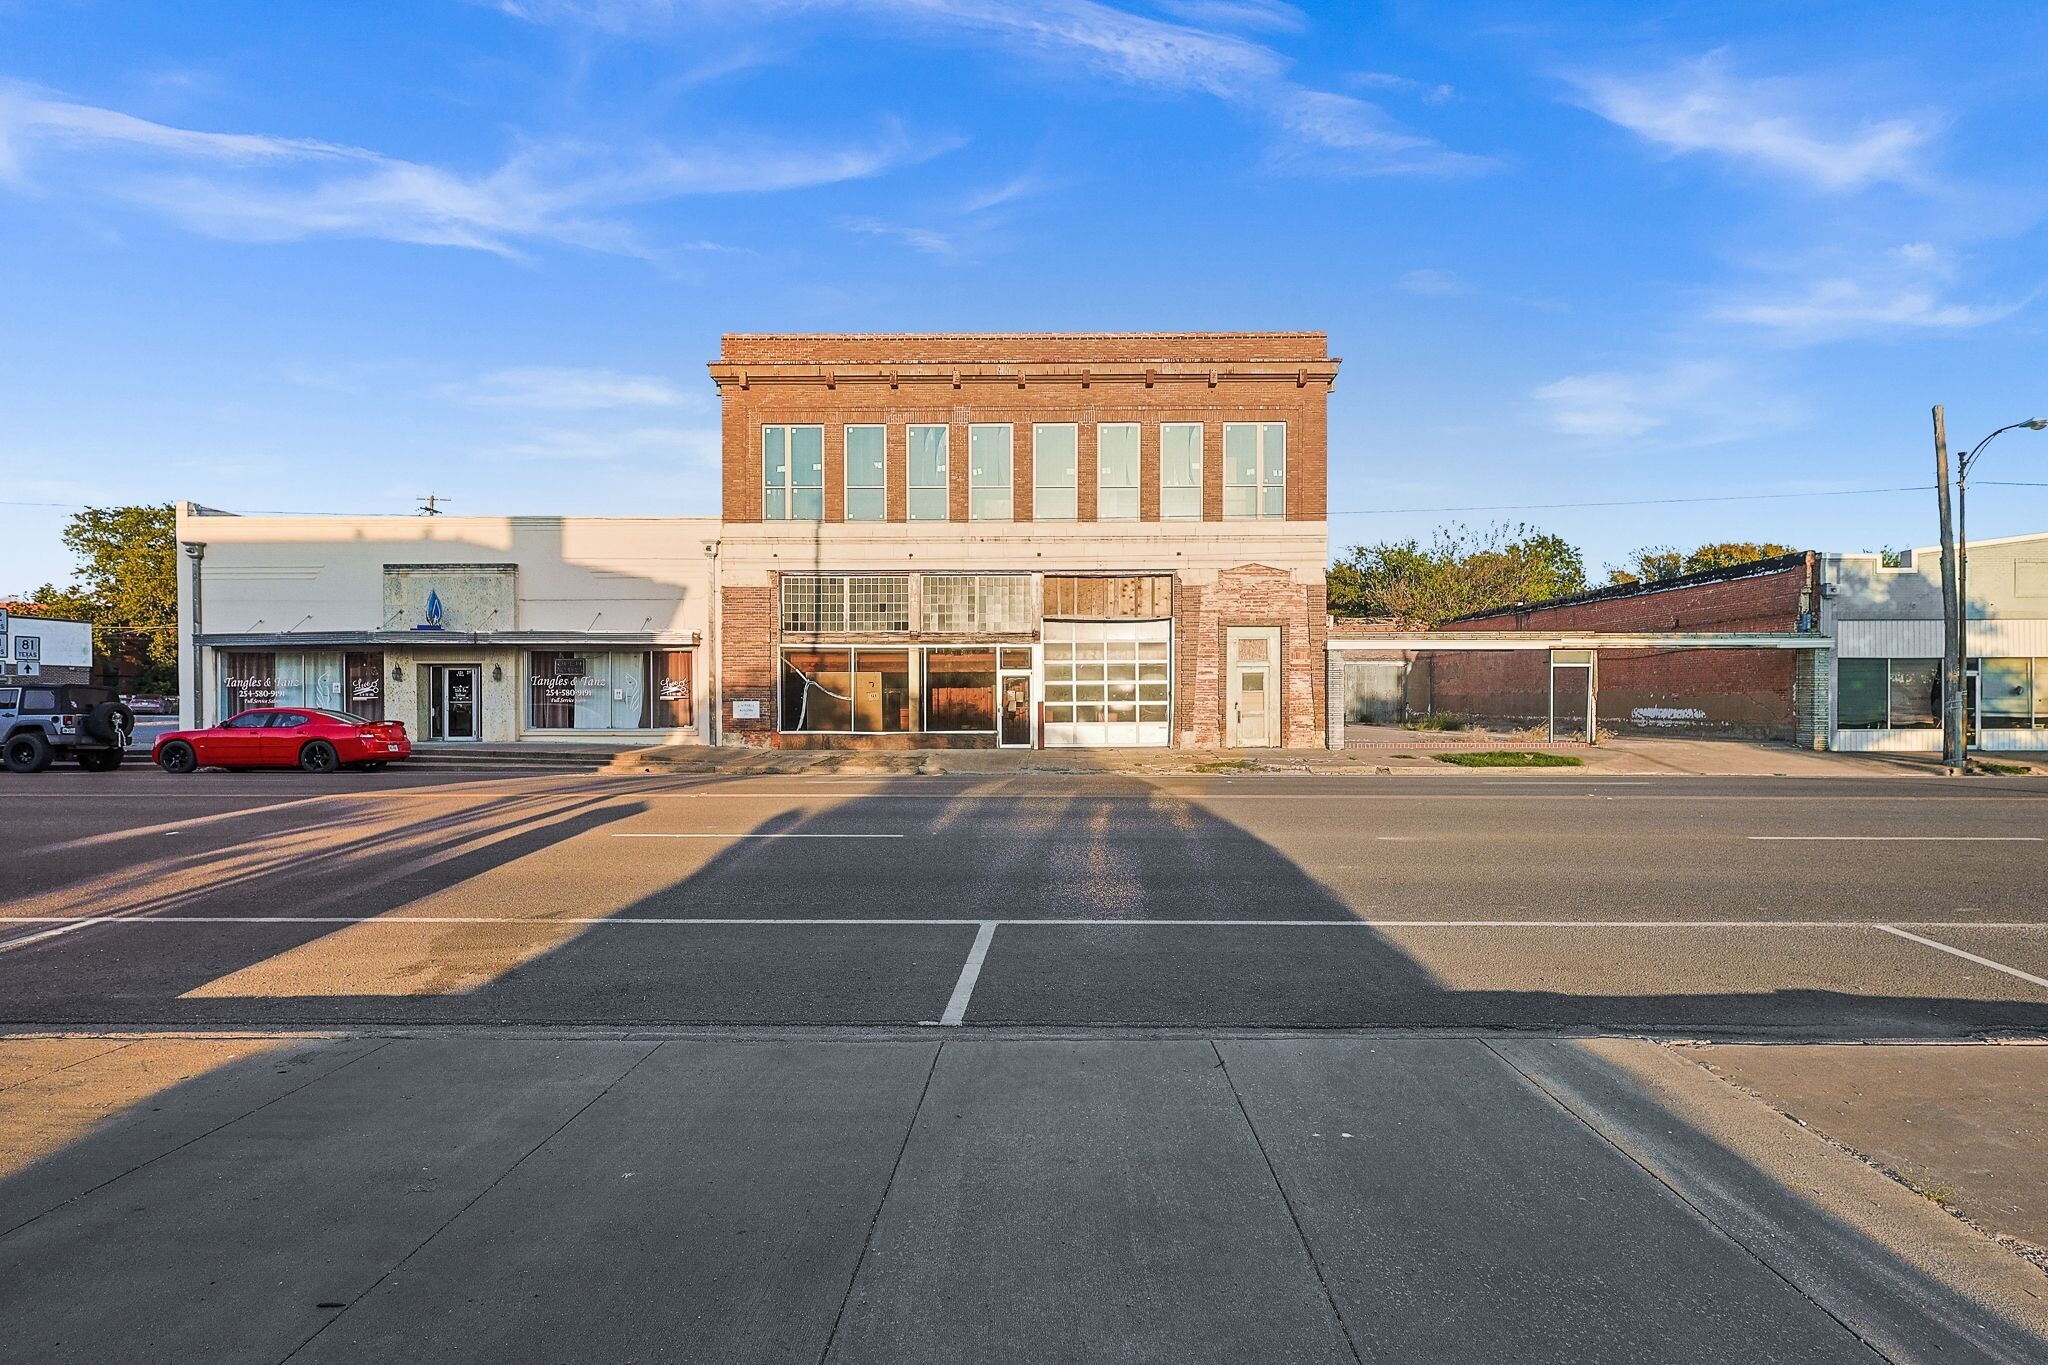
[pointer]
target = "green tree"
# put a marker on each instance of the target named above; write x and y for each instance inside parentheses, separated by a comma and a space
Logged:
(1659, 563)
(1458, 571)
(126, 585)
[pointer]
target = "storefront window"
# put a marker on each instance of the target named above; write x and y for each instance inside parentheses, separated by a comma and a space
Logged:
(1915, 687)
(363, 678)
(960, 690)
(817, 689)
(326, 680)
(628, 689)
(2007, 687)
(1860, 694)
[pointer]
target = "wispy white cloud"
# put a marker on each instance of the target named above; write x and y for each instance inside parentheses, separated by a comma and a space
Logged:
(567, 389)
(929, 240)
(1684, 403)
(696, 446)
(1432, 283)
(1272, 15)
(259, 187)
(1908, 288)
(1429, 92)
(1322, 129)
(1027, 185)
(1701, 107)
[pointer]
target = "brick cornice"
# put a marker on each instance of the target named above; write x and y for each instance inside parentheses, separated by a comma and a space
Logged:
(1298, 373)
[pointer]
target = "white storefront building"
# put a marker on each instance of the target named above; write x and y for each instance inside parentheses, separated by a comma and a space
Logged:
(1887, 631)
(465, 628)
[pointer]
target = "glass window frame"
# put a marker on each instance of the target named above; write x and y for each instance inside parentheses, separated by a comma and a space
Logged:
(852, 611)
(1187, 495)
(880, 488)
(918, 497)
(996, 493)
(1103, 487)
(779, 499)
(1070, 491)
(994, 690)
(1268, 494)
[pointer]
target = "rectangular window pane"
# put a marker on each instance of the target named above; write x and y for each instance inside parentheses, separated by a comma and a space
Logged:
(960, 690)
(250, 680)
(1180, 470)
(990, 495)
(807, 473)
(1055, 462)
(1273, 454)
(674, 700)
(1860, 694)
(878, 602)
(1915, 688)
(812, 603)
(1116, 472)
(586, 690)
(1240, 455)
(927, 473)
(881, 691)
(865, 475)
(2007, 689)
(817, 689)
(363, 679)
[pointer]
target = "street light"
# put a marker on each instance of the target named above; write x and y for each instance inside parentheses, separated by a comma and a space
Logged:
(1959, 641)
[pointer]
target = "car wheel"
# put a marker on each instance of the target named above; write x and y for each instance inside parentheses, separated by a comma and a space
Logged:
(99, 760)
(27, 752)
(319, 757)
(177, 757)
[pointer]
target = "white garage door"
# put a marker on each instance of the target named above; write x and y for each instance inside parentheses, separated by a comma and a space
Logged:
(1108, 683)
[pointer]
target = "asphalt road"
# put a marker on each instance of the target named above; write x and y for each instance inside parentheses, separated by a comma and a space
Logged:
(445, 1068)
(1905, 907)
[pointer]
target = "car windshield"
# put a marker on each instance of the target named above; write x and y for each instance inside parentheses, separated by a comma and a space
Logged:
(345, 717)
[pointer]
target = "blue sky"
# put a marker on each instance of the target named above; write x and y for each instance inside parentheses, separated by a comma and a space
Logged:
(332, 258)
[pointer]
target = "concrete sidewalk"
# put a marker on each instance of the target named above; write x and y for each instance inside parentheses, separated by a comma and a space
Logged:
(908, 1198)
(1615, 757)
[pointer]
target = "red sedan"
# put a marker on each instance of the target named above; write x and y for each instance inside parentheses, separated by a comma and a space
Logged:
(285, 737)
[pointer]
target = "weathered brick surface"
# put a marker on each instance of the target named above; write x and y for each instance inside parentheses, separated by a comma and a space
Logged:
(1058, 348)
(747, 622)
(1251, 595)
(1747, 692)
(825, 398)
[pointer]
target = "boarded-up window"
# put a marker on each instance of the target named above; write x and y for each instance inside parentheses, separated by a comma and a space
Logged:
(1145, 597)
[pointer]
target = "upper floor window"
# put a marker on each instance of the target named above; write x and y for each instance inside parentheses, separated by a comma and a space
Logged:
(1180, 470)
(990, 493)
(1054, 470)
(866, 479)
(1254, 469)
(792, 473)
(1116, 471)
(927, 481)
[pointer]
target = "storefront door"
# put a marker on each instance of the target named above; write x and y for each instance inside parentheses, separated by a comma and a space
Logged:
(455, 702)
(1014, 712)
(1253, 715)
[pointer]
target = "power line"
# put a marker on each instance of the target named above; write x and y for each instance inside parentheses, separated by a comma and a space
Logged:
(1642, 502)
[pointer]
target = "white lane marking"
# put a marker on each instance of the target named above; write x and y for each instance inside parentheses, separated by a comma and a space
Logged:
(1895, 838)
(970, 972)
(1558, 782)
(81, 921)
(757, 836)
(71, 926)
(1967, 956)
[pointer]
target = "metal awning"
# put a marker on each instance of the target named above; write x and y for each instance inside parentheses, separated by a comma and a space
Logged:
(1581, 639)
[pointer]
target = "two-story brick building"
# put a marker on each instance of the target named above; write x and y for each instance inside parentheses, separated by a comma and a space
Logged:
(1026, 540)
(1023, 540)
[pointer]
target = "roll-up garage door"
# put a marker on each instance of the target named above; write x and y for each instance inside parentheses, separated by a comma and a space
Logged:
(1108, 683)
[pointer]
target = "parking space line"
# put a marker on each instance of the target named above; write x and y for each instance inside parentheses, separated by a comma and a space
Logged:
(970, 972)
(621, 835)
(1967, 956)
(1895, 838)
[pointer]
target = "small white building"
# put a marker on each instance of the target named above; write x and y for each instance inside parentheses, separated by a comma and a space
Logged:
(1887, 631)
(465, 628)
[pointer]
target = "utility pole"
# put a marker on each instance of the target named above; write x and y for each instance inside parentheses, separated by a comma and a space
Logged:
(1953, 755)
(430, 505)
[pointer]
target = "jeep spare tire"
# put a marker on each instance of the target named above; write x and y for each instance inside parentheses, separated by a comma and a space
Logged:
(111, 722)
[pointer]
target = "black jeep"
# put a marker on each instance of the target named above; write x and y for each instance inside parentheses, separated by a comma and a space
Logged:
(42, 722)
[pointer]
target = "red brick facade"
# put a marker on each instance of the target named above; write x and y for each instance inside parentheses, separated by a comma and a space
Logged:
(1747, 692)
(1236, 572)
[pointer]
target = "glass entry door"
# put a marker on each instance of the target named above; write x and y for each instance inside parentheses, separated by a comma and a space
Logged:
(455, 702)
(1016, 729)
(1572, 695)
